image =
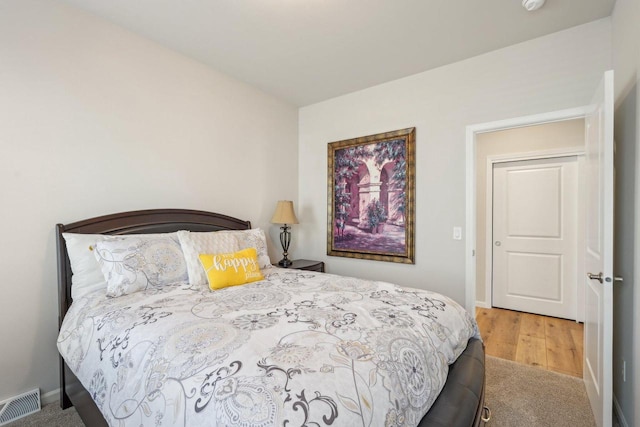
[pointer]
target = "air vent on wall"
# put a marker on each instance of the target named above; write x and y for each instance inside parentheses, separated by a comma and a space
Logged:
(19, 406)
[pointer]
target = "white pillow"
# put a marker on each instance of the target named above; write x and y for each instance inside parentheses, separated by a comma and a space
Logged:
(208, 242)
(86, 274)
(253, 238)
(137, 262)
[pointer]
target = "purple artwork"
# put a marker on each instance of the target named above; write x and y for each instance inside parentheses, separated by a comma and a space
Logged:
(371, 197)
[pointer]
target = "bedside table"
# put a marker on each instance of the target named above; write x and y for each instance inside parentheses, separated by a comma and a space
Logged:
(304, 264)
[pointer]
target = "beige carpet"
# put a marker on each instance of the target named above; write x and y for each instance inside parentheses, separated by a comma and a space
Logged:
(50, 416)
(517, 395)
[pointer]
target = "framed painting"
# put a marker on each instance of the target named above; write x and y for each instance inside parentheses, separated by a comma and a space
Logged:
(371, 197)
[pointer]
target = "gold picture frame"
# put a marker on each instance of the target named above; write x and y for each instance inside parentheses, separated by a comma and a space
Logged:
(371, 197)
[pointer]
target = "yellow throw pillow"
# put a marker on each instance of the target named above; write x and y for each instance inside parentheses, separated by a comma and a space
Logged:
(231, 269)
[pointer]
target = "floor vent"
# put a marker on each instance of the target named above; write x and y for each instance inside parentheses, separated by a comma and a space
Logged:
(19, 406)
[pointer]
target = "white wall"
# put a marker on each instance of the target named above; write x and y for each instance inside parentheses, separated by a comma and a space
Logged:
(96, 120)
(528, 139)
(626, 295)
(551, 73)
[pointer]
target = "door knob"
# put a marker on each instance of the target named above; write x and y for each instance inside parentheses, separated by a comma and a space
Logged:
(498, 243)
(597, 277)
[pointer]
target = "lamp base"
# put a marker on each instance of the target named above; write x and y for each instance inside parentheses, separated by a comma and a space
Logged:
(285, 239)
(285, 262)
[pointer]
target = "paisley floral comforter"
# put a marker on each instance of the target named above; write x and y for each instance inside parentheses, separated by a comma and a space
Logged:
(299, 348)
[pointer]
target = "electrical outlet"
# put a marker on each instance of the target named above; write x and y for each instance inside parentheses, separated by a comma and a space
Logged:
(624, 371)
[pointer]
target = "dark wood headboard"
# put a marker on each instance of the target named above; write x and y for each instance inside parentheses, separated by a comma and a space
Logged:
(135, 222)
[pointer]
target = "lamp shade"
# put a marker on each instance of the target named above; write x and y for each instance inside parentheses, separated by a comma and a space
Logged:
(284, 213)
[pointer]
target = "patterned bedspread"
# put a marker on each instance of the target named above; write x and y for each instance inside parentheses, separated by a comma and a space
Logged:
(299, 348)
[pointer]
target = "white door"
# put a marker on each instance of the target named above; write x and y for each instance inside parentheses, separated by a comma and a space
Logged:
(598, 279)
(535, 236)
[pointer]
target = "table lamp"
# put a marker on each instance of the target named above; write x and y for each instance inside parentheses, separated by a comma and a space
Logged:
(284, 215)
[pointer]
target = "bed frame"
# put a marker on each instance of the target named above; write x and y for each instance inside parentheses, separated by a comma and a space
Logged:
(461, 402)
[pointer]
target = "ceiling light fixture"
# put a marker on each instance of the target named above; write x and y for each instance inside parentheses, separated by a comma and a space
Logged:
(532, 5)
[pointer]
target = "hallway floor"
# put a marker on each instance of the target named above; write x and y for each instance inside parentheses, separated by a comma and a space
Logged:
(544, 342)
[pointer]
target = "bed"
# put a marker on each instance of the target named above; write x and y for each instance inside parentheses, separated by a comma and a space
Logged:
(262, 388)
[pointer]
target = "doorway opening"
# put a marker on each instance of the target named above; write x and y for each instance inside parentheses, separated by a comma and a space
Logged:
(530, 218)
(524, 171)
(473, 199)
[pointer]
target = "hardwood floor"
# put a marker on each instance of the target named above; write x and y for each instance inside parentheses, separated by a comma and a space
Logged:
(545, 342)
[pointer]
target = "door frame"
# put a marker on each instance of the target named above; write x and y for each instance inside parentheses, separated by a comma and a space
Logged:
(470, 189)
(557, 153)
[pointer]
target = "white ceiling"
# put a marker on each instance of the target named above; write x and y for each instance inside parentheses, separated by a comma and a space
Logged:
(306, 51)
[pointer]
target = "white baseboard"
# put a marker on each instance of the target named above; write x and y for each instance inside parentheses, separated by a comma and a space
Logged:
(482, 304)
(50, 397)
(618, 412)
